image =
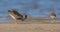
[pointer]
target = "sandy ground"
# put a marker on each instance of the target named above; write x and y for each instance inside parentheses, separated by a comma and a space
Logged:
(30, 28)
(38, 25)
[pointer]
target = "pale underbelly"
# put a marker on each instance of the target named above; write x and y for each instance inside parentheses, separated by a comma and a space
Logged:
(12, 16)
(53, 17)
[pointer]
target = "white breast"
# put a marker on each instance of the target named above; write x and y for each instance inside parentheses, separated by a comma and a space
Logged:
(52, 16)
(12, 16)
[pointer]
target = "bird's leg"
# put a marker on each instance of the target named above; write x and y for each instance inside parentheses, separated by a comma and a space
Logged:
(54, 19)
(17, 24)
(15, 21)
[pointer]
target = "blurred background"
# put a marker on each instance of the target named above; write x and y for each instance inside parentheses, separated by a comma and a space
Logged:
(33, 8)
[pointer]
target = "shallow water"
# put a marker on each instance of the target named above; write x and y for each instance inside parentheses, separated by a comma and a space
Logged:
(28, 21)
(33, 8)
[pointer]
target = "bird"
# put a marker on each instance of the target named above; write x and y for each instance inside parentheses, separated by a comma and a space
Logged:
(16, 15)
(53, 16)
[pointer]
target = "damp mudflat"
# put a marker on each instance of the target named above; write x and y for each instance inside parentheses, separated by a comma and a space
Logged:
(30, 21)
(29, 25)
(30, 28)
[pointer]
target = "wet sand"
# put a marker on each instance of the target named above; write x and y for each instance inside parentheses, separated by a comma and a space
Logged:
(30, 25)
(30, 28)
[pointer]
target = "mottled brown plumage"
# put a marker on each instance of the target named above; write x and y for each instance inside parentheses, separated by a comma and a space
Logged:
(16, 16)
(53, 16)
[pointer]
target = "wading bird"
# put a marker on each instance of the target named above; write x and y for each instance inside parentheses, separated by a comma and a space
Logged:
(53, 16)
(16, 16)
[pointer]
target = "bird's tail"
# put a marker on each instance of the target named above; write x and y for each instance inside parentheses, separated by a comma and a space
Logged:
(24, 18)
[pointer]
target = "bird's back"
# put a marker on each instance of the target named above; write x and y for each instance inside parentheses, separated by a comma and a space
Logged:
(15, 14)
(53, 14)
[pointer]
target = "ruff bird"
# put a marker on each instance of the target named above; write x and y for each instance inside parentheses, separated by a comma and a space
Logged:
(53, 16)
(16, 16)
